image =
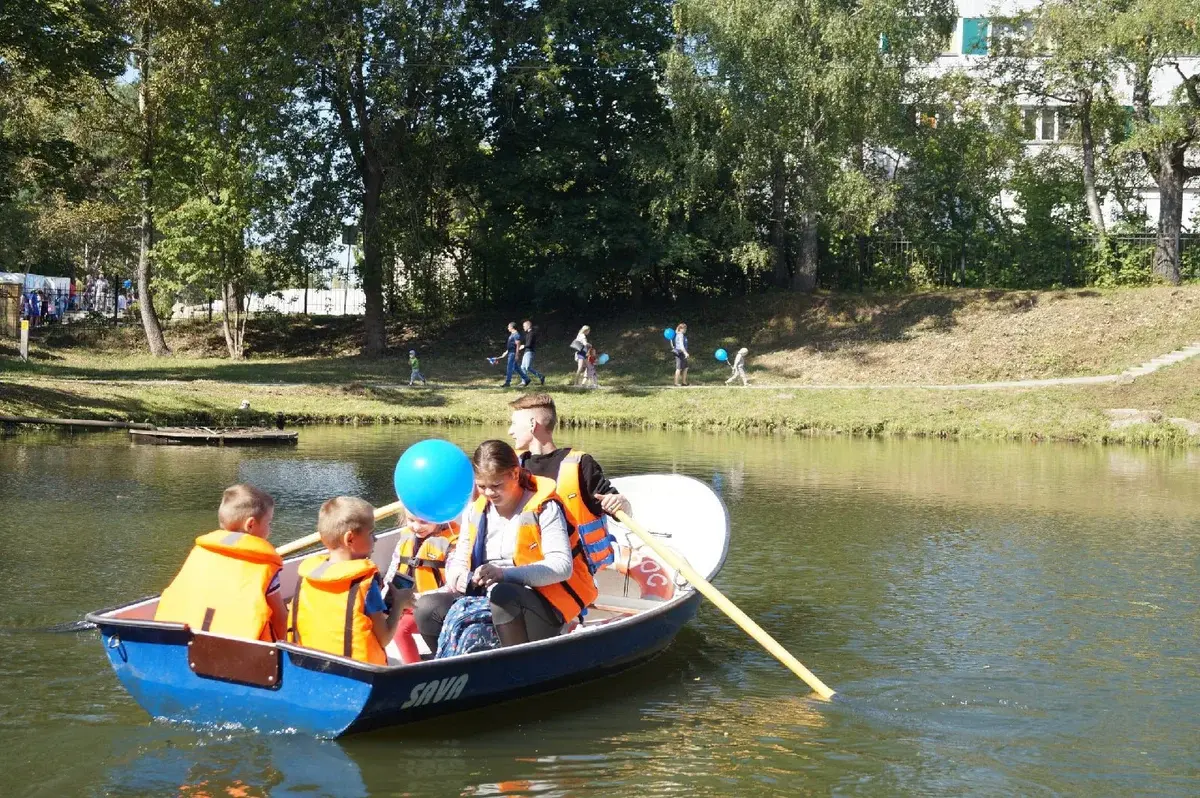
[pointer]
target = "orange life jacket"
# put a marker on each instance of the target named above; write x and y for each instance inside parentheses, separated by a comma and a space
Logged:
(328, 609)
(222, 587)
(570, 597)
(592, 528)
(427, 568)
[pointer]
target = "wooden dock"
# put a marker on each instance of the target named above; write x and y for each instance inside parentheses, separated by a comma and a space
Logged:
(205, 436)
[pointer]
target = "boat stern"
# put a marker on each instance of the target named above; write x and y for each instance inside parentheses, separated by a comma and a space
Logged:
(214, 681)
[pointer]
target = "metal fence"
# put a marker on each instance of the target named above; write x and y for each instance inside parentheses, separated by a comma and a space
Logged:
(884, 263)
(44, 307)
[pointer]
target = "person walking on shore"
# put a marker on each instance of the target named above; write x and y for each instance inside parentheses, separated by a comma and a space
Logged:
(739, 367)
(680, 347)
(580, 347)
(510, 354)
(414, 363)
(528, 346)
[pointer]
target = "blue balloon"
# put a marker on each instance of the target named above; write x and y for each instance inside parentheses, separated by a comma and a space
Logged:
(721, 355)
(669, 334)
(434, 480)
(129, 283)
(602, 359)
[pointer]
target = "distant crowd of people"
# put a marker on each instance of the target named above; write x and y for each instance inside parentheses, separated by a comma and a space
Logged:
(95, 294)
(521, 345)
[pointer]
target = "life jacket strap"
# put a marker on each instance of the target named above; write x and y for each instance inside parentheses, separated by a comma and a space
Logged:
(348, 629)
(293, 628)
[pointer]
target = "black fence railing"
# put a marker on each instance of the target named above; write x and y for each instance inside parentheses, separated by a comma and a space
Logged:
(883, 263)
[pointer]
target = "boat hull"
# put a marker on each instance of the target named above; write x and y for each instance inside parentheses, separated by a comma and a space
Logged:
(330, 696)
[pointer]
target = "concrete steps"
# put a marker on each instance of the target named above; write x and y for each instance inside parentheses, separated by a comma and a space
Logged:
(1162, 361)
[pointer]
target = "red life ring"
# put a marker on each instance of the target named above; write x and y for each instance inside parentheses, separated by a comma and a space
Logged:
(652, 579)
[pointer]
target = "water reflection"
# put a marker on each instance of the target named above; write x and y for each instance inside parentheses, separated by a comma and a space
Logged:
(997, 619)
(241, 766)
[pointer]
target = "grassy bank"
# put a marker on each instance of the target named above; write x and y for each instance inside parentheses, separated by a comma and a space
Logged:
(796, 342)
(937, 337)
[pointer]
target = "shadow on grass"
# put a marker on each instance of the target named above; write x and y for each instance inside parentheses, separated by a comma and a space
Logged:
(410, 397)
(53, 403)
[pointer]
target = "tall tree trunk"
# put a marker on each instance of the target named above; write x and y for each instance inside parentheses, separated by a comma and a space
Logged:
(780, 272)
(1171, 178)
(806, 269)
(1087, 143)
(150, 324)
(371, 268)
(231, 328)
(1166, 165)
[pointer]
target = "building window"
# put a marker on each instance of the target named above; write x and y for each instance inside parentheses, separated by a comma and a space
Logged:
(974, 36)
(1048, 124)
(1047, 131)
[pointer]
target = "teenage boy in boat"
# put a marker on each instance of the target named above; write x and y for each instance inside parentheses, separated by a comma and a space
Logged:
(418, 566)
(587, 495)
(229, 584)
(516, 548)
(338, 606)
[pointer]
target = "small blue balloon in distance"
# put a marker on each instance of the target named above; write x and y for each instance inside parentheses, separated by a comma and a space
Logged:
(434, 480)
(129, 283)
(602, 359)
(669, 334)
(721, 355)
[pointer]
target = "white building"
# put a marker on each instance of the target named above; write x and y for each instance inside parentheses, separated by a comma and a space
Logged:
(1047, 124)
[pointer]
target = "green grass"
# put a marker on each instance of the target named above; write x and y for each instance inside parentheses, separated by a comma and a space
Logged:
(1071, 413)
(936, 337)
(310, 370)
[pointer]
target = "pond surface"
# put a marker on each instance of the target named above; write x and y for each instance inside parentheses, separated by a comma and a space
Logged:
(998, 619)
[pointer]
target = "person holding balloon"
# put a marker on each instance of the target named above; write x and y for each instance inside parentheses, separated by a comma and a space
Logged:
(580, 347)
(738, 365)
(679, 347)
(516, 548)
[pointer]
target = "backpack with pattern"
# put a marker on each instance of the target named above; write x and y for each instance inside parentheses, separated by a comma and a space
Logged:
(467, 628)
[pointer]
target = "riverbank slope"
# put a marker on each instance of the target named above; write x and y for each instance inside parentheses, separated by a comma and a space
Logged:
(799, 347)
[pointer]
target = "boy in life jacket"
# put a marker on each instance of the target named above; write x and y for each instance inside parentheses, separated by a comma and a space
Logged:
(229, 584)
(418, 566)
(338, 606)
(585, 492)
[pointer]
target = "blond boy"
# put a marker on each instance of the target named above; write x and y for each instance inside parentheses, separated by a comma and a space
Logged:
(339, 605)
(229, 583)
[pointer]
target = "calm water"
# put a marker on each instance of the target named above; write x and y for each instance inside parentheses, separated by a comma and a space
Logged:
(999, 620)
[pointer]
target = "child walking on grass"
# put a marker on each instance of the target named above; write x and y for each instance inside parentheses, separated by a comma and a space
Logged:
(414, 363)
(592, 357)
(739, 367)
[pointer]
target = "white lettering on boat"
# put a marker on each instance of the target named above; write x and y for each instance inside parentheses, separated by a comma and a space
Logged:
(436, 691)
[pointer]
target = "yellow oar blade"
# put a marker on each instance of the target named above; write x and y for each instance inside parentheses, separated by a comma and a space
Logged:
(726, 606)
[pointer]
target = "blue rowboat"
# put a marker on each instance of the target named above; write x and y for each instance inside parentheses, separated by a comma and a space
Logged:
(182, 675)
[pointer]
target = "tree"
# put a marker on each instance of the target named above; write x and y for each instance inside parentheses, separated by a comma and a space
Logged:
(806, 88)
(379, 72)
(46, 50)
(958, 156)
(1062, 51)
(1154, 39)
(573, 111)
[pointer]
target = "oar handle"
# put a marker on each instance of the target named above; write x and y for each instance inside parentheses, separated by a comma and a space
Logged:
(308, 540)
(725, 605)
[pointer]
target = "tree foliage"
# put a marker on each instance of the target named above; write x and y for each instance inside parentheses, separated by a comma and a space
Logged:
(553, 153)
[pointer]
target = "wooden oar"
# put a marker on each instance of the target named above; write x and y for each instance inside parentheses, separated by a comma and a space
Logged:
(309, 540)
(284, 550)
(728, 607)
